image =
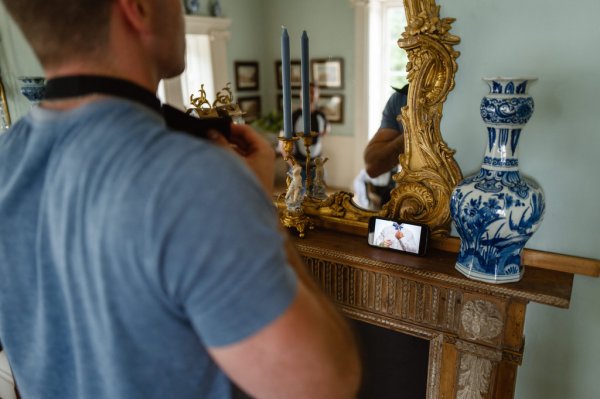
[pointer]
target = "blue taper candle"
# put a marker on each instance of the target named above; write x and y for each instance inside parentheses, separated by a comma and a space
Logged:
(285, 81)
(305, 84)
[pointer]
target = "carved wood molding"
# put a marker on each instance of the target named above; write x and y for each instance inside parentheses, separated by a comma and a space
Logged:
(481, 320)
(475, 330)
(312, 254)
(440, 314)
(422, 309)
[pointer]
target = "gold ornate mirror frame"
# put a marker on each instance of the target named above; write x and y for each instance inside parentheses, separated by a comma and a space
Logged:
(429, 172)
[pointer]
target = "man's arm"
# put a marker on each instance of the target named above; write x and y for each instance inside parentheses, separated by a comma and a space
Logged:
(382, 152)
(308, 352)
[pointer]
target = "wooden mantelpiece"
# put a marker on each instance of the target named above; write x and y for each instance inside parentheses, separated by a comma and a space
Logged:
(475, 329)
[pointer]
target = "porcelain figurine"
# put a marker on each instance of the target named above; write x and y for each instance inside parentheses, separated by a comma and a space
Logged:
(295, 191)
(319, 188)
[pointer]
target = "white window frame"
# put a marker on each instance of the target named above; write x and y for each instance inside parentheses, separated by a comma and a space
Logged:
(217, 29)
(370, 23)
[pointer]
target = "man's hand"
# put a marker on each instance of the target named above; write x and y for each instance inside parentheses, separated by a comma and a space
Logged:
(255, 150)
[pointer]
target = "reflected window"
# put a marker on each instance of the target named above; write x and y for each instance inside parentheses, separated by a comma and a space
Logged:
(206, 62)
(397, 58)
(198, 72)
(387, 61)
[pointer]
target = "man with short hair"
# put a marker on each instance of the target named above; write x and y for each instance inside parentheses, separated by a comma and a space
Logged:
(120, 275)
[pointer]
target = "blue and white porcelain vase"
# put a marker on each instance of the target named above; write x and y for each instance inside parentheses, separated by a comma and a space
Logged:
(497, 210)
(192, 7)
(33, 88)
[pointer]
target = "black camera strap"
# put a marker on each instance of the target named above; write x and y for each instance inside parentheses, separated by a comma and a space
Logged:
(81, 85)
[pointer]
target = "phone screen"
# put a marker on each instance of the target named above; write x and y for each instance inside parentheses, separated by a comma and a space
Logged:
(398, 235)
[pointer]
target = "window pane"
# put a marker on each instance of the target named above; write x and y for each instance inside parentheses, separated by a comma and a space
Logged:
(396, 23)
(198, 70)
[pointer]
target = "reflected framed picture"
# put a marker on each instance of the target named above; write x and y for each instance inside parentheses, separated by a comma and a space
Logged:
(328, 73)
(4, 114)
(295, 102)
(295, 74)
(246, 75)
(332, 105)
(251, 107)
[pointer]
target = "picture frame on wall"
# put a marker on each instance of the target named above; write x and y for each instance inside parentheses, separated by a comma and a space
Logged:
(295, 102)
(246, 75)
(251, 106)
(328, 73)
(295, 74)
(332, 105)
(4, 114)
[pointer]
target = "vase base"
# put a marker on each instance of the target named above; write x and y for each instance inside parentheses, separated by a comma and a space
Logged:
(489, 278)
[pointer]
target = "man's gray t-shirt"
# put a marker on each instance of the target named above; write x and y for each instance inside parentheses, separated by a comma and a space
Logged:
(126, 249)
(392, 109)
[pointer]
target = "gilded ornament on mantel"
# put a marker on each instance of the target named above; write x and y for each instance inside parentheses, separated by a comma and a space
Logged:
(429, 171)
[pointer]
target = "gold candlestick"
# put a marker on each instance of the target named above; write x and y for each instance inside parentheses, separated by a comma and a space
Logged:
(288, 146)
(293, 216)
(308, 141)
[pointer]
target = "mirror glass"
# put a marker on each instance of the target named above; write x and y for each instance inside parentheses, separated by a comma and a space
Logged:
(387, 61)
(429, 172)
(364, 36)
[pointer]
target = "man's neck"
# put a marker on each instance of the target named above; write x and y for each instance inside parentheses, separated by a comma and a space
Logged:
(74, 69)
(70, 103)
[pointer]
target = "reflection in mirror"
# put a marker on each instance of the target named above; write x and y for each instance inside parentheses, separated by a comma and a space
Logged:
(206, 62)
(428, 171)
(373, 184)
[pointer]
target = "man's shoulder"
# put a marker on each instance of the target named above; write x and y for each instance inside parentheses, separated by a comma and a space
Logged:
(399, 96)
(403, 90)
(141, 151)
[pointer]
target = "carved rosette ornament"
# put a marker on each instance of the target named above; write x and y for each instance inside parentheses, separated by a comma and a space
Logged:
(429, 171)
(481, 320)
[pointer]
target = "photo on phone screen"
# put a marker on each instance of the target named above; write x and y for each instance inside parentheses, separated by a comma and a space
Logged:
(398, 235)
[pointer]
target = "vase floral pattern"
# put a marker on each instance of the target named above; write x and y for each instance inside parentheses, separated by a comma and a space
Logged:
(497, 210)
(33, 88)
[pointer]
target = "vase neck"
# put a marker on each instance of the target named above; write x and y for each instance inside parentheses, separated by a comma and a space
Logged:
(501, 150)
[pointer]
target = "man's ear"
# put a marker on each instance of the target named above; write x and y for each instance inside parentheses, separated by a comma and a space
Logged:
(136, 12)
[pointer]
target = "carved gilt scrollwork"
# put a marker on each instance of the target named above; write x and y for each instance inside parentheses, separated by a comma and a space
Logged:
(429, 171)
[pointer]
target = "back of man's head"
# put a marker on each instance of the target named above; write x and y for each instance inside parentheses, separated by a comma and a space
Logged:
(58, 29)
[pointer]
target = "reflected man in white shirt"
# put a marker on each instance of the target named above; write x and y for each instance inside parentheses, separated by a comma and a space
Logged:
(397, 236)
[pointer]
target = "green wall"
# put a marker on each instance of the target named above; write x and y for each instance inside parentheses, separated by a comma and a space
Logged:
(556, 41)
(16, 59)
(256, 35)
